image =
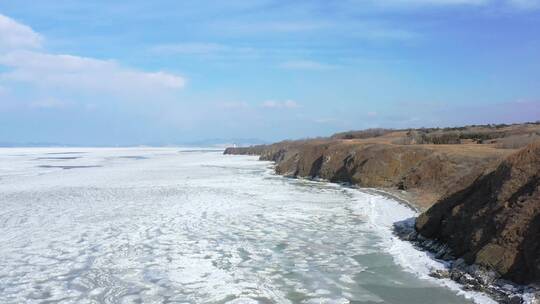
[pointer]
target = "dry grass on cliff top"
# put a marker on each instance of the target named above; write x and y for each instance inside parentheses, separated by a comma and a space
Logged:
(479, 141)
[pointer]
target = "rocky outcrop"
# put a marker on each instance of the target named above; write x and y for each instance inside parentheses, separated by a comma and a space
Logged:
(470, 276)
(495, 221)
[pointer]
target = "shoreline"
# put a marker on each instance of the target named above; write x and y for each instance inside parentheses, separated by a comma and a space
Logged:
(398, 196)
(469, 278)
(403, 197)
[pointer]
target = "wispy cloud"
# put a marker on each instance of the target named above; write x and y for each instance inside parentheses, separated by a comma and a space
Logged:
(198, 48)
(381, 33)
(276, 104)
(27, 64)
(74, 72)
(283, 26)
(306, 65)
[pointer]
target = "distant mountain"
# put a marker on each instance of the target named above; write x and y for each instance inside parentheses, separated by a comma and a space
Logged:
(226, 142)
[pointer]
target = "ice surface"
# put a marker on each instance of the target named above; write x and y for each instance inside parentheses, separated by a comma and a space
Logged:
(149, 225)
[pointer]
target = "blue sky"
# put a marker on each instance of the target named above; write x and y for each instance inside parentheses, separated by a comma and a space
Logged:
(165, 72)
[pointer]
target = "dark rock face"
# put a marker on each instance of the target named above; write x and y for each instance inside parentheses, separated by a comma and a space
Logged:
(470, 276)
(495, 221)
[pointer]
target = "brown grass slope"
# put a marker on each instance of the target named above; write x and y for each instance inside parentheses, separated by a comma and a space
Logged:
(494, 221)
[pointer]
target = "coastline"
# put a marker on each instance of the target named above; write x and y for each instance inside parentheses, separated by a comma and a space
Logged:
(426, 173)
(401, 196)
(405, 199)
(468, 278)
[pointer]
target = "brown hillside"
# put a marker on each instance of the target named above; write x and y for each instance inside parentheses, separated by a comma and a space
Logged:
(495, 221)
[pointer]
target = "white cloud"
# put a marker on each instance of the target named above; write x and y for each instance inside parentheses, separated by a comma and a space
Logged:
(69, 72)
(306, 65)
(74, 72)
(274, 104)
(14, 35)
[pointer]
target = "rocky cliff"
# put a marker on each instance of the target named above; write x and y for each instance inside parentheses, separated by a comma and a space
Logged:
(425, 171)
(494, 221)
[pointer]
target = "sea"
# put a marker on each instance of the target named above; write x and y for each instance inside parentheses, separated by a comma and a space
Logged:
(191, 225)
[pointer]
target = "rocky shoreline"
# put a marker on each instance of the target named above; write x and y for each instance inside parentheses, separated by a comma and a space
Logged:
(470, 277)
(438, 181)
